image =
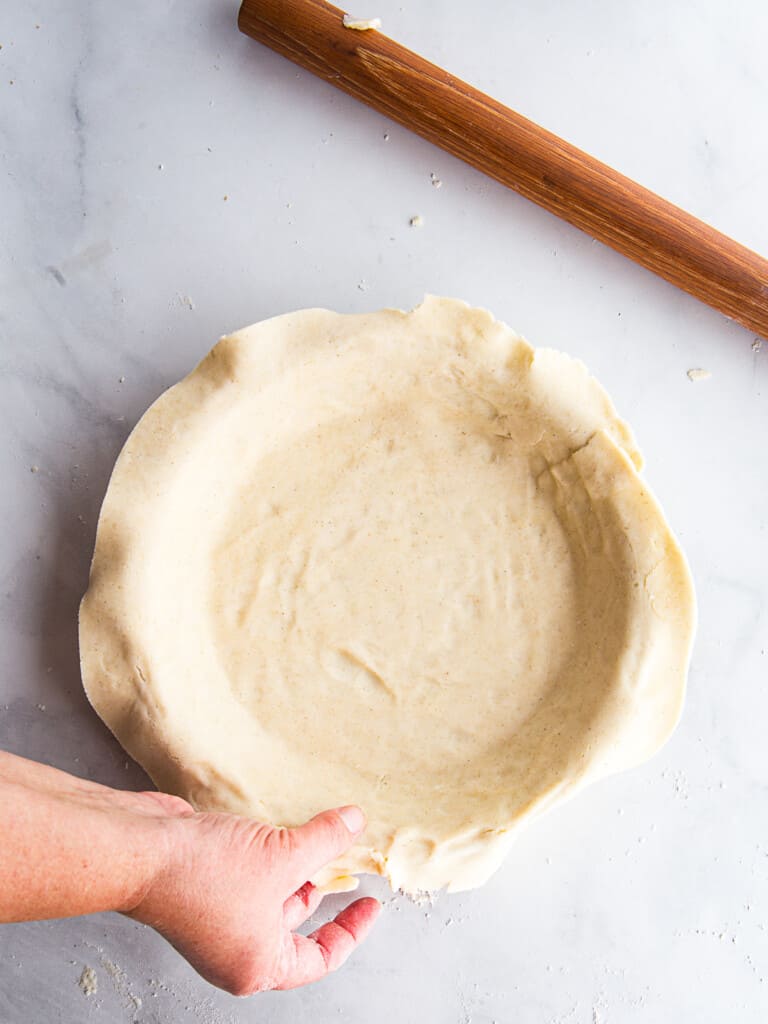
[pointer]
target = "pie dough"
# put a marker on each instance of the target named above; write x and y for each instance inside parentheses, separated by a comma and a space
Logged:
(396, 559)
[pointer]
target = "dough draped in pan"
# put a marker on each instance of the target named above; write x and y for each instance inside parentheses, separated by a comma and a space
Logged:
(396, 559)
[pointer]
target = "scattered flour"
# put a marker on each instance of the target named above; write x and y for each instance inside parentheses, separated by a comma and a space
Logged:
(423, 899)
(121, 983)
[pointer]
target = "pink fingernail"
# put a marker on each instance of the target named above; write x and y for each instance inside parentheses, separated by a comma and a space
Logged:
(353, 818)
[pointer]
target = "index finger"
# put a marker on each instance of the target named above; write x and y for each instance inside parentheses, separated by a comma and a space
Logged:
(311, 957)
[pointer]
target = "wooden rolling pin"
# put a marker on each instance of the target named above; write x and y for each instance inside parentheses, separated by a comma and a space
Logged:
(518, 153)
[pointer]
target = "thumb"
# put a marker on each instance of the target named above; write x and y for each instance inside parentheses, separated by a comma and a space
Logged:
(325, 837)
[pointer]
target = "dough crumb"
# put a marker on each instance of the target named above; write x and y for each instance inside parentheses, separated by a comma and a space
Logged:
(417, 221)
(121, 380)
(34, 469)
(360, 24)
(386, 136)
(698, 374)
(757, 344)
(88, 982)
(41, 707)
(436, 182)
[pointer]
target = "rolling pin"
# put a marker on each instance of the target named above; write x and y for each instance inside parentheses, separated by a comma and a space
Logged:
(518, 153)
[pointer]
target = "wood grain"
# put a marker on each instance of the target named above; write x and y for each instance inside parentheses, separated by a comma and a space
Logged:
(520, 154)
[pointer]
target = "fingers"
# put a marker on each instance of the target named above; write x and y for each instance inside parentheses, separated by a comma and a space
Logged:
(325, 950)
(297, 908)
(323, 838)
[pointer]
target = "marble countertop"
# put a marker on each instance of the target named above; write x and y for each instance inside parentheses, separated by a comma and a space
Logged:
(165, 180)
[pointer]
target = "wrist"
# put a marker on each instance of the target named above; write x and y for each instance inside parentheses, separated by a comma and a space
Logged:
(163, 840)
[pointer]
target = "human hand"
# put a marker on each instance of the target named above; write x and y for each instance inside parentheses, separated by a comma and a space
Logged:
(233, 890)
(226, 891)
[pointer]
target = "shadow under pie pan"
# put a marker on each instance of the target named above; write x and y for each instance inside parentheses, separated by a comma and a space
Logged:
(403, 560)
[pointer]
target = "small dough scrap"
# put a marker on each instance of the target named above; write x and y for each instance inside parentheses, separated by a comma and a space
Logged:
(396, 559)
(361, 24)
(88, 982)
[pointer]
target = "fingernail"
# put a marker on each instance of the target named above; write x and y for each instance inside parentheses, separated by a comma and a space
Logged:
(353, 818)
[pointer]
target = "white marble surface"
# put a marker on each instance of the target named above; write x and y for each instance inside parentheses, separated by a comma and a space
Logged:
(121, 262)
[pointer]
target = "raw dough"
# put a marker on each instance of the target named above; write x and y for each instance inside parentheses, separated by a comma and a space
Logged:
(360, 24)
(398, 559)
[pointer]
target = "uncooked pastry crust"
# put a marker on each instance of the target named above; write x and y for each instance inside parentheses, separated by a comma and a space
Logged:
(397, 559)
